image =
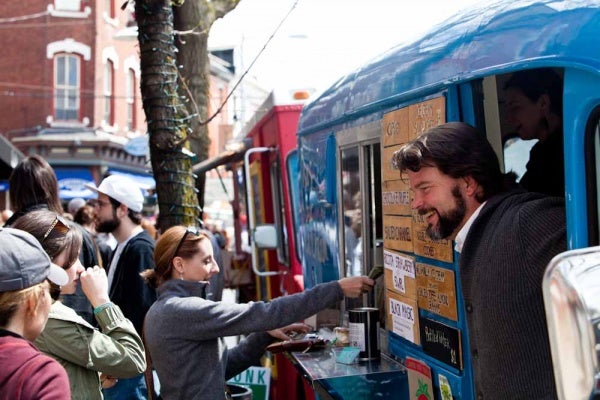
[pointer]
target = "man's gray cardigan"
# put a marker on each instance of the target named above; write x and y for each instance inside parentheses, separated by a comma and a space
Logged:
(502, 264)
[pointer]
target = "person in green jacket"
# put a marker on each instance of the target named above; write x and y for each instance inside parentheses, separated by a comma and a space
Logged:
(94, 359)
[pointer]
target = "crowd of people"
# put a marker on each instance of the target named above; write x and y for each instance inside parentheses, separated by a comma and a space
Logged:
(73, 305)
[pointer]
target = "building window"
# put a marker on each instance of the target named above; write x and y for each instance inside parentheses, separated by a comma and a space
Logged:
(67, 83)
(69, 9)
(130, 99)
(67, 5)
(109, 100)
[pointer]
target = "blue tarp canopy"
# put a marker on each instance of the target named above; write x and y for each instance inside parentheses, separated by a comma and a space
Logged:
(72, 181)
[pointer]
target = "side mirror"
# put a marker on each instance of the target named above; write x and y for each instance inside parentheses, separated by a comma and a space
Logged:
(265, 237)
(571, 288)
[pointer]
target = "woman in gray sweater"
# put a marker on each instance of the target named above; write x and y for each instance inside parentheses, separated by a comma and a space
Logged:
(184, 331)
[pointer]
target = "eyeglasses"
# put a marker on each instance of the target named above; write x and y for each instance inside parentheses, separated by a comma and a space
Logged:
(190, 230)
(100, 203)
(60, 224)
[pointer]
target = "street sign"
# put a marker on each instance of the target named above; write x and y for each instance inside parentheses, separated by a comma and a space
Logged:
(256, 378)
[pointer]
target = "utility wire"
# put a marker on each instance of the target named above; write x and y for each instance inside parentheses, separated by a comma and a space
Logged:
(243, 75)
(23, 17)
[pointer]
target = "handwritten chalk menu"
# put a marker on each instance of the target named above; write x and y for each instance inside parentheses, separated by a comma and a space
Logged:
(395, 198)
(437, 249)
(402, 316)
(436, 290)
(399, 273)
(397, 233)
(442, 342)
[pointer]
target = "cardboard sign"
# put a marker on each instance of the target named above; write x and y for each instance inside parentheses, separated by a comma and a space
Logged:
(437, 249)
(256, 378)
(394, 127)
(399, 273)
(420, 386)
(402, 316)
(397, 233)
(425, 115)
(388, 171)
(442, 342)
(395, 198)
(436, 290)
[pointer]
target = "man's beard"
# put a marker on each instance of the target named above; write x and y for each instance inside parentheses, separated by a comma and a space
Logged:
(449, 221)
(108, 226)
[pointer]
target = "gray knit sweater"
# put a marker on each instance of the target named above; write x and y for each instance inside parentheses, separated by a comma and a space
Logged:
(502, 265)
(184, 331)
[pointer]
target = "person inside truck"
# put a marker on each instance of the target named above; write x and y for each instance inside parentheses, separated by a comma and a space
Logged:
(533, 108)
(506, 237)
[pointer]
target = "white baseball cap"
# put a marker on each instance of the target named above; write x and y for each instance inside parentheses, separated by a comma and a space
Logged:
(122, 189)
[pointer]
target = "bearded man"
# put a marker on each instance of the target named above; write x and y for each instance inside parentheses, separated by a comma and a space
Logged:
(505, 237)
(118, 211)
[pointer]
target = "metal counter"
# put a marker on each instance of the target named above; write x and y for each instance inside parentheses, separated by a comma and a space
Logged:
(380, 379)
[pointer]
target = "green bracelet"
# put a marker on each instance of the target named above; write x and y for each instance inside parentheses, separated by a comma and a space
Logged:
(101, 307)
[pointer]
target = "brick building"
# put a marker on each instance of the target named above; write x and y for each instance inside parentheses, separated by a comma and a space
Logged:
(69, 90)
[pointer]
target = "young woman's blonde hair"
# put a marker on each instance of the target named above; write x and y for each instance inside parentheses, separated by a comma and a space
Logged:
(11, 300)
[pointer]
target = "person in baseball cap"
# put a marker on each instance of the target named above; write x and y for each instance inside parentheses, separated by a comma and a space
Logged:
(121, 189)
(24, 263)
(118, 212)
(25, 302)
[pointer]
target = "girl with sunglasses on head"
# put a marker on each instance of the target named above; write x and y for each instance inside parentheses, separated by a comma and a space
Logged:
(92, 358)
(184, 331)
(34, 187)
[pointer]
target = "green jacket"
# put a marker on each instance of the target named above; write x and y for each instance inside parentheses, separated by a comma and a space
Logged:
(85, 352)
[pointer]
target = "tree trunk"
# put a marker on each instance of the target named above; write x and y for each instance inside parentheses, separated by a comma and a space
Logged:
(192, 58)
(194, 18)
(166, 116)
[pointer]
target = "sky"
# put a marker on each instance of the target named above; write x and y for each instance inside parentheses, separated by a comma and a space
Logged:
(322, 40)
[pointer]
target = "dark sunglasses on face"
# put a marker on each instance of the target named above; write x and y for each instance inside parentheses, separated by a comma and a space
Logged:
(59, 224)
(190, 230)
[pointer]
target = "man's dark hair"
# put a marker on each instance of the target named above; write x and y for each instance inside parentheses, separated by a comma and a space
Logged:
(457, 150)
(536, 82)
(134, 216)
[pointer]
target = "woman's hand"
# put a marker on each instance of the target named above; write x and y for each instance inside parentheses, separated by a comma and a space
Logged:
(94, 284)
(356, 285)
(287, 332)
(107, 381)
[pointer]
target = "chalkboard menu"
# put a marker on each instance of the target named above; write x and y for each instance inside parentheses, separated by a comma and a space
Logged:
(442, 342)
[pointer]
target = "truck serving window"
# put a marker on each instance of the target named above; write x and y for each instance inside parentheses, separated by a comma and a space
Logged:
(593, 168)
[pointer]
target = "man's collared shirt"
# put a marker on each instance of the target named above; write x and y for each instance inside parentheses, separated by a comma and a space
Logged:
(459, 240)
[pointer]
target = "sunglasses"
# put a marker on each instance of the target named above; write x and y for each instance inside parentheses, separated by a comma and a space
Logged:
(190, 230)
(59, 224)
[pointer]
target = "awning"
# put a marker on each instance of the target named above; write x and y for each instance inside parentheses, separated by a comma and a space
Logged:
(10, 156)
(145, 182)
(227, 157)
(72, 181)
